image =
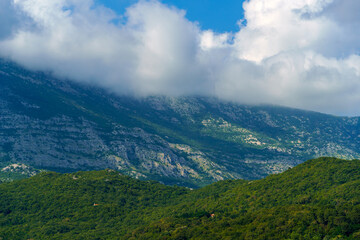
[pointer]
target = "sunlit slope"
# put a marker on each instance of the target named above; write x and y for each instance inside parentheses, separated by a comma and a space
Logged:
(319, 199)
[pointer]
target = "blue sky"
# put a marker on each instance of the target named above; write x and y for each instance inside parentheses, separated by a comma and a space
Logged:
(220, 16)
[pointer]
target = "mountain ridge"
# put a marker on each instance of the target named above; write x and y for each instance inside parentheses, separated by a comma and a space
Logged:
(54, 124)
(318, 199)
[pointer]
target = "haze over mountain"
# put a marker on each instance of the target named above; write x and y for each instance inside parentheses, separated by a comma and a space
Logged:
(302, 54)
(53, 124)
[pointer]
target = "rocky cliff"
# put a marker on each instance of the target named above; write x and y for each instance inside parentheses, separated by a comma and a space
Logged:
(54, 124)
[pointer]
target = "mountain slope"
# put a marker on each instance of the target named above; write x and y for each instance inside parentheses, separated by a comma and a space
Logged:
(319, 199)
(60, 125)
(16, 171)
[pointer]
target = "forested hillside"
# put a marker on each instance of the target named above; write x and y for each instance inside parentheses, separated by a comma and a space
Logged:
(319, 199)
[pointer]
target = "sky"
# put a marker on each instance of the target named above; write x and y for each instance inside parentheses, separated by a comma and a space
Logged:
(219, 16)
(303, 54)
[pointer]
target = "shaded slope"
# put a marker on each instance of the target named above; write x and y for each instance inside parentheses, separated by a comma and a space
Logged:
(60, 125)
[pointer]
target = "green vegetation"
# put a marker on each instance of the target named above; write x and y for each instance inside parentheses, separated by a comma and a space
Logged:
(319, 199)
(221, 129)
(12, 171)
(85, 205)
(59, 125)
(10, 176)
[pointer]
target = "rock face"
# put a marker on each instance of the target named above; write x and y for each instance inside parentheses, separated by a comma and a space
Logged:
(16, 171)
(59, 125)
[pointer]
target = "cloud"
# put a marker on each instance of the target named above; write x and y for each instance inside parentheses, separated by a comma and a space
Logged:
(301, 53)
(153, 53)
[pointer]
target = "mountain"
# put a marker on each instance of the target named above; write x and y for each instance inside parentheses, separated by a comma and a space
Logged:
(64, 126)
(16, 171)
(319, 199)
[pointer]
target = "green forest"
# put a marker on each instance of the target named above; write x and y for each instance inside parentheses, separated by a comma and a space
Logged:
(319, 199)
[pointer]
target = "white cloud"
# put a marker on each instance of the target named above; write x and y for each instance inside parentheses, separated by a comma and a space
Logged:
(210, 40)
(302, 53)
(278, 25)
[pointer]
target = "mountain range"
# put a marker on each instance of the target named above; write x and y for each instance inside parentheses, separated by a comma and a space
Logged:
(49, 123)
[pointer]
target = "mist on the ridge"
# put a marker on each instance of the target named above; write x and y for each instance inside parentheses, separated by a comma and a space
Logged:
(302, 54)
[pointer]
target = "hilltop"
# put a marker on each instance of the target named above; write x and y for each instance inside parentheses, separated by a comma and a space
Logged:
(319, 199)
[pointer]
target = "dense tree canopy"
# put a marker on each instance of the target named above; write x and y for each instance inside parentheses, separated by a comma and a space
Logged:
(319, 199)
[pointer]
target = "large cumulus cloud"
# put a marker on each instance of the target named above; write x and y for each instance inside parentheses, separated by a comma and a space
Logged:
(302, 53)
